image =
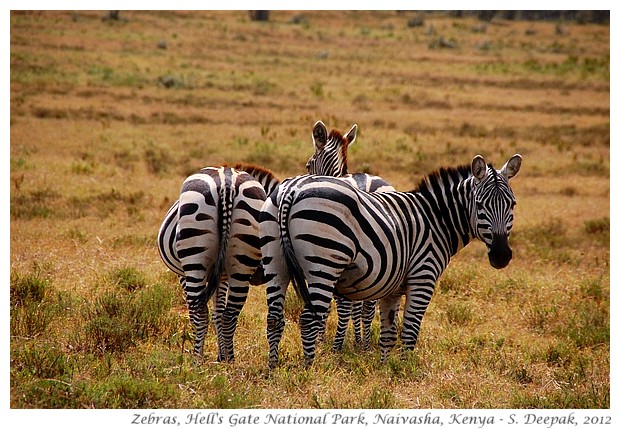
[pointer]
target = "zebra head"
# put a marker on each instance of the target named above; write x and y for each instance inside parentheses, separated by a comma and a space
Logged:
(493, 206)
(330, 150)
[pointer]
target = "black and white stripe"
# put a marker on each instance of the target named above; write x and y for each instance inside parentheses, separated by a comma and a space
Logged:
(361, 313)
(327, 236)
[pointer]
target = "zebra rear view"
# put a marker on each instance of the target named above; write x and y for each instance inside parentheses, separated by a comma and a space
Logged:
(216, 240)
(379, 245)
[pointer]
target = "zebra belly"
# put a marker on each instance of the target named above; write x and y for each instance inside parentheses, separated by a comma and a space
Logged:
(360, 282)
(372, 287)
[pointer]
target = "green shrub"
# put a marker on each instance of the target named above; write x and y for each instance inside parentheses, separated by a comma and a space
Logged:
(597, 226)
(157, 158)
(28, 288)
(33, 204)
(127, 278)
(118, 319)
(459, 313)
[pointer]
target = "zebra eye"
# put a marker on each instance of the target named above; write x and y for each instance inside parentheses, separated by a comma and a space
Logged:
(512, 207)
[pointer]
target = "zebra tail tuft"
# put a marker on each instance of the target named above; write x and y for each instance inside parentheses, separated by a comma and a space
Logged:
(292, 264)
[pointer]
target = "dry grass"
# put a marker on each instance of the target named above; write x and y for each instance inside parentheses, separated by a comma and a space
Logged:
(105, 125)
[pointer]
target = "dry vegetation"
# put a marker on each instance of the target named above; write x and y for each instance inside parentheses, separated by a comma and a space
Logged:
(109, 116)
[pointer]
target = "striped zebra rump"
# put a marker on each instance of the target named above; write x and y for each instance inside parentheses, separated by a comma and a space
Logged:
(217, 240)
(361, 313)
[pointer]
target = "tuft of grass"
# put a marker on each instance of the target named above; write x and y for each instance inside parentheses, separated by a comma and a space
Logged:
(598, 226)
(127, 278)
(31, 313)
(587, 325)
(157, 158)
(559, 354)
(105, 203)
(29, 288)
(34, 204)
(108, 76)
(118, 319)
(458, 279)
(317, 89)
(593, 288)
(293, 306)
(550, 233)
(540, 315)
(459, 313)
(379, 398)
(264, 87)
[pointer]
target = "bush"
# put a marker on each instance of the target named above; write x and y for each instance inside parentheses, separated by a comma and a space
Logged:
(118, 319)
(30, 315)
(127, 278)
(28, 288)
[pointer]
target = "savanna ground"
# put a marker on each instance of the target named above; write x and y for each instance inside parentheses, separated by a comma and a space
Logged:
(109, 116)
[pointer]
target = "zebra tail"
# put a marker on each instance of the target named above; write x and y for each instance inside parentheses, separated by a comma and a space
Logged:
(295, 271)
(224, 221)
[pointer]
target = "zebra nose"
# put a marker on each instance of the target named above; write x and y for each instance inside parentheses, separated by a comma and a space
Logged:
(500, 253)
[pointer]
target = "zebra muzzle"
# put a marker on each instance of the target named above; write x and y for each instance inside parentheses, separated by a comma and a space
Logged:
(500, 253)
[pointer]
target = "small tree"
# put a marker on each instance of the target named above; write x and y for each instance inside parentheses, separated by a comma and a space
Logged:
(259, 15)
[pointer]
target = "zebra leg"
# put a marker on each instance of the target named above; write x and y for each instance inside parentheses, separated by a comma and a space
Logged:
(323, 327)
(418, 298)
(277, 284)
(276, 295)
(343, 307)
(219, 304)
(199, 318)
(237, 294)
(356, 315)
(275, 275)
(388, 308)
(310, 326)
(368, 314)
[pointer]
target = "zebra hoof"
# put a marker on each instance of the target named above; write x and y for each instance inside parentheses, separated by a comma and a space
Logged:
(364, 346)
(225, 359)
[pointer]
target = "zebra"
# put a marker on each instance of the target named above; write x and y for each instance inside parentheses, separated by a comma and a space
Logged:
(328, 237)
(188, 241)
(216, 243)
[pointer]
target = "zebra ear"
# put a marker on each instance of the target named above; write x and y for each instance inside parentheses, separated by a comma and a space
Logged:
(319, 135)
(479, 167)
(512, 167)
(351, 135)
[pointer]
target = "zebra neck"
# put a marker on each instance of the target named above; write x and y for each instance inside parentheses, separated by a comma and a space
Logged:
(446, 208)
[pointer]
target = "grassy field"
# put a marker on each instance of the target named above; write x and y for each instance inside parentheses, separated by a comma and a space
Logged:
(109, 116)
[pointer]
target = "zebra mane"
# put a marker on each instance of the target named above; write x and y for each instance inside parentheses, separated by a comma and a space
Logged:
(336, 136)
(253, 169)
(443, 176)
